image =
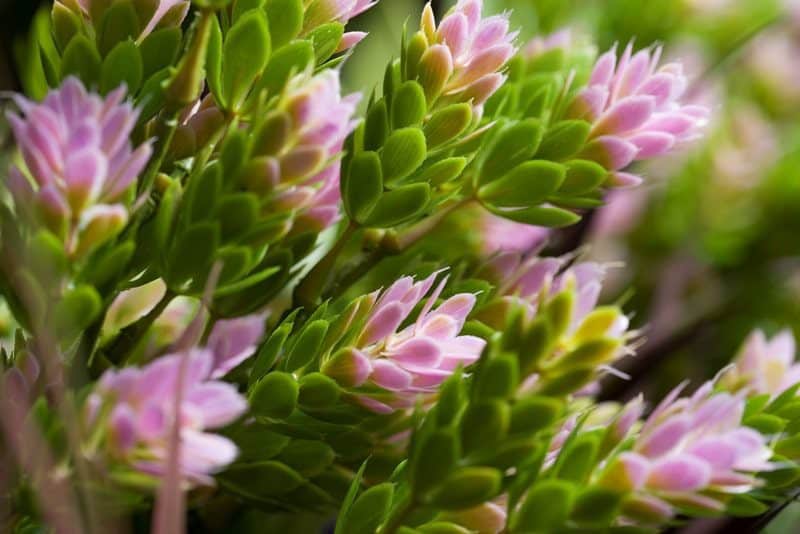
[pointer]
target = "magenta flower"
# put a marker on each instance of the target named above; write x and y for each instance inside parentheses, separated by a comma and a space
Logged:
(765, 366)
(392, 368)
(156, 14)
(137, 405)
(690, 451)
(636, 111)
(467, 51)
(320, 12)
(299, 161)
(79, 163)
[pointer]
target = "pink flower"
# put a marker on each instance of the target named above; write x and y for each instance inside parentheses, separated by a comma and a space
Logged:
(392, 368)
(765, 365)
(542, 44)
(320, 12)
(636, 111)
(500, 235)
(79, 163)
(691, 450)
(137, 405)
(467, 51)
(153, 14)
(298, 158)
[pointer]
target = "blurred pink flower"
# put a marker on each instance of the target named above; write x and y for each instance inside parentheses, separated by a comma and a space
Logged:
(765, 366)
(393, 368)
(542, 44)
(690, 451)
(501, 235)
(467, 51)
(79, 163)
(636, 110)
(137, 405)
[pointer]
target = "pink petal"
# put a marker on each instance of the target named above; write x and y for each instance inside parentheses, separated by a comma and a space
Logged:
(389, 376)
(625, 115)
(680, 474)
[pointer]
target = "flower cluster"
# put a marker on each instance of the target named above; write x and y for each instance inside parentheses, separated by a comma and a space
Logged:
(151, 15)
(465, 53)
(137, 406)
(395, 367)
(636, 110)
(79, 163)
(765, 366)
(298, 147)
(691, 451)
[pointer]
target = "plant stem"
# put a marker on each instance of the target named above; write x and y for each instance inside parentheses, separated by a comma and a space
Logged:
(399, 516)
(311, 287)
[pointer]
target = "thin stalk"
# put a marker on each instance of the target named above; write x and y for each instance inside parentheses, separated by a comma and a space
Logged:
(312, 286)
(399, 516)
(130, 336)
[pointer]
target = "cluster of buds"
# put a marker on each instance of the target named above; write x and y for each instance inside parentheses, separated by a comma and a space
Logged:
(297, 151)
(136, 407)
(79, 163)
(150, 14)
(764, 366)
(691, 451)
(393, 368)
(461, 58)
(319, 12)
(636, 111)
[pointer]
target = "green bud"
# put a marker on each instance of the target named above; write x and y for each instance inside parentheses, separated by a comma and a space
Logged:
(514, 144)
(403, 152)
(399, 205)
(434, 70)
(408, 105)
(527, 184)
(467, 487)
(532, 414)
(546, 507)
(307, 346)
(483, 425)
(362, 185)
(318, 391)
(582, 177)
(437, 457)
(274, 396)
(417, 46)
(447, 124)
(563, 140)
(498, 378)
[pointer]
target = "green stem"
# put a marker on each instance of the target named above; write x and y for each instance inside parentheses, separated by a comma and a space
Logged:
(311, 287)
(399, 516)
(130, 336)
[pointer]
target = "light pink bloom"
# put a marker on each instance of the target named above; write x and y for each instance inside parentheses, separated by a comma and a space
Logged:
(499, 235)
(691, 449)
(542, 44)
(320, 12)
(765, 365)
(636, 110)
(161, 12)
(138, 405)
(79, 162)
(472, 49)
(301, 167)
(392, 368)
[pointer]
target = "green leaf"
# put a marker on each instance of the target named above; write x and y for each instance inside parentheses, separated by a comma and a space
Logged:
(789, 447)
(274, 396)
(285, 20)
(563, 140)
(122, 65)
(546, 507)
(578, 460)
(437, 456)
(398, 206)
(318, 391)
(745, 506)
(308, 345)
(376, 125)
(107, 264)
(261, 480)
(120, 23)
(441, 172)
(236, 262)
(582, 177)
(568, 382)
(240, 7)
(532, 414)
(257, 442)
(468, 487)
(202, 192)
(596, 507)
(539, 216)
(81, 59)
(76, 311)
(369, 510)
(191, 254)
(287, 60)
(47, 256)
(362, 185)
(594, 352)
(65, 23)
(402, 153)
(498, 378)
(765, 423)
(452, 396)
(237, 213)
(513, 145)
(492, 417)
(233, 153)
(307, 457)
(447, 124)
(214, 62)
(326, 39)
(270, 351)
(408, 105)
(245, 54)
(526, 185)
(160, 50)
